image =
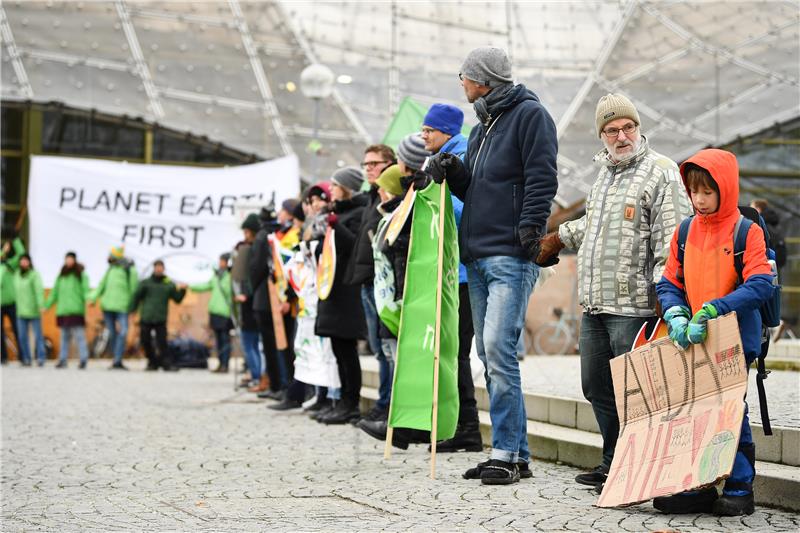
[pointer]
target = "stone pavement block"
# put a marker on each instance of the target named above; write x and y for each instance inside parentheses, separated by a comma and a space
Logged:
(768, 448)
(537, 408)
(585, 419)
(790, 447)
(561, 412)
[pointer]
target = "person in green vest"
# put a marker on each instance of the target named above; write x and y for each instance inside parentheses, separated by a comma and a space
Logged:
(219, 309)
(69, 296)
(9, 263)
(115, 292)
(152, 299)
(30, 303)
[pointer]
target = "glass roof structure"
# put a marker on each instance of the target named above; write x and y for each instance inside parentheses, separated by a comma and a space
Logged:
(700, 72)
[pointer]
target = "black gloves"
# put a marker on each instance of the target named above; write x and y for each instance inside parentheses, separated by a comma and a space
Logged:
(420, 180)
(445, 166)
(530, 238)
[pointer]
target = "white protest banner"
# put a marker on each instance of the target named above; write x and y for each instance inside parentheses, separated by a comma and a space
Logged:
(680, 414)
(185, 216)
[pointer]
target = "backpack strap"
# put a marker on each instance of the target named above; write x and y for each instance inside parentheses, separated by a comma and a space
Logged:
(683, 234)
(740, 232)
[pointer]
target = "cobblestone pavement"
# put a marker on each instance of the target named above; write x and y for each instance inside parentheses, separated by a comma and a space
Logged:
(111, 451)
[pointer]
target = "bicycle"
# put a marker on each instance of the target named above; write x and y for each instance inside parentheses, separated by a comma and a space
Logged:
(559, 336)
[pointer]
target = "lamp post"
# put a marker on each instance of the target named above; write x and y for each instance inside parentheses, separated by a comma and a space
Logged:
(316, 83)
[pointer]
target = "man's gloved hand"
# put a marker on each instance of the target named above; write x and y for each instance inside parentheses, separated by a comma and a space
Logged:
(332, 219)
(697, 331)
(530, 237)
(677, 318)
(420, 180)
(549, 247)
(444, 166)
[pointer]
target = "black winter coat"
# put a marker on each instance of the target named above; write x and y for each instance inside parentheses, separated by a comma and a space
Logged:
(397, 254)
(361, 269)
(342, 315)
(512, 182)
(260, 267)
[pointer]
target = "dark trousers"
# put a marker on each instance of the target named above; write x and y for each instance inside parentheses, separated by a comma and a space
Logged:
(223, 337)
(9, 311)
(349, 366)
(157, 354)
(267, 331)
(287, 355)
(602, 338)
(468, 407)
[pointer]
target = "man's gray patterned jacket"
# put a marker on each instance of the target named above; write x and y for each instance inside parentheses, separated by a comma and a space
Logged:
(623, 239)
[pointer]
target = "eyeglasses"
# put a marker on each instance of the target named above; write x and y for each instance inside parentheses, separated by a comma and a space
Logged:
(373, 164)
(613, 133)
(460, 76)
(427, 131)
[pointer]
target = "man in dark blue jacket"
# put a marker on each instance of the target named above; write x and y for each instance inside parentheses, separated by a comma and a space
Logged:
(507, 181)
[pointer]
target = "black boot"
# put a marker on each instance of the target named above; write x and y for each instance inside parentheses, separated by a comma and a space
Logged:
(343, 414)
(691, 502)
(318, 405)
(467, 439)
(742, 501)
(401, 437)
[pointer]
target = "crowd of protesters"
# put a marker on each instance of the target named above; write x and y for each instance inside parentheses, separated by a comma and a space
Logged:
(503, 179)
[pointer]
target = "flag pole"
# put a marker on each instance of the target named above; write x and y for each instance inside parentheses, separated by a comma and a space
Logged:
(437, 331)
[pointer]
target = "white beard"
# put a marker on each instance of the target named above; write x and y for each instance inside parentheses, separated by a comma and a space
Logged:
(624, 157)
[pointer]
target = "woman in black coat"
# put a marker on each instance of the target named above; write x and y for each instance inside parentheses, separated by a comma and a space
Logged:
(341, 316)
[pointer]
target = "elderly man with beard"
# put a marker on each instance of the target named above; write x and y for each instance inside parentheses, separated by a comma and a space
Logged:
(623, 243)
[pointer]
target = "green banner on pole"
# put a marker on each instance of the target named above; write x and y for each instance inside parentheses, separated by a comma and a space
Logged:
(412, 395)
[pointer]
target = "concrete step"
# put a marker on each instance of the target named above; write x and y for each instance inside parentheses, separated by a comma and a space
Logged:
(783, 447)
(776, 485)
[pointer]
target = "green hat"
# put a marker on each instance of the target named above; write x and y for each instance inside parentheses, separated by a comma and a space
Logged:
(389, 180)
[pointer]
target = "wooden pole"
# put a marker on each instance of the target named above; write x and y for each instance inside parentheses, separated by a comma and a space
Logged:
(437, 331)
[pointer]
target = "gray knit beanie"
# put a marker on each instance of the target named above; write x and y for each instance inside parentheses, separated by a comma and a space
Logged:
(412, 152)
(348, 177)
(488, 66)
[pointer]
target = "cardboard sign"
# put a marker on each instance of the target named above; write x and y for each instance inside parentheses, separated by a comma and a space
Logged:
(680, 415)
(400, 216)
(326, 269)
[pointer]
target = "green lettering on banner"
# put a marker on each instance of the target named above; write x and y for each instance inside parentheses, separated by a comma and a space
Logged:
(412, 395)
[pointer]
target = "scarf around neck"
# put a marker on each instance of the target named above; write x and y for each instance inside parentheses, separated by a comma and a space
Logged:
(486, 106)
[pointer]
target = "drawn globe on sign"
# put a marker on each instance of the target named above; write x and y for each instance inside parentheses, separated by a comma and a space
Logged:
(719, 453)
(184, 267)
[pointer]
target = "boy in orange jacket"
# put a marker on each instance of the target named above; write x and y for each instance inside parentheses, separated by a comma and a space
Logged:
(706, 286)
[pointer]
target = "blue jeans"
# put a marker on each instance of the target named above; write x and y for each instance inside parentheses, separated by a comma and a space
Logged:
(385, 367)
(251, 352)
(117, 339)
(604, 336)
(24, 343)
(67, 334)
(499, 288)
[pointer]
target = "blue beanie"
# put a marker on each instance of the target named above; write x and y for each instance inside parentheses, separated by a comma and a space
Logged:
(445, 118)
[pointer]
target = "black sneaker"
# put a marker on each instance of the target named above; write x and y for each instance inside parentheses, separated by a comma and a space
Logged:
(594, 478)
(475, 472)
(285, 405)
(118, 366)
(61, 364)
(496, 472)
(317, 406)
(82, 365)
(690, 502)
(324, 411)
(734, 505)
(524, 470)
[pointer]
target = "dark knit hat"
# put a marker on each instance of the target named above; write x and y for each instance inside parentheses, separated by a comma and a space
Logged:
(445, 118)
(251, 222)
(71, 254)
(348, 177)
(488, 66)
(412, 151)
(321, 189)
(298, 213)
(289, 205)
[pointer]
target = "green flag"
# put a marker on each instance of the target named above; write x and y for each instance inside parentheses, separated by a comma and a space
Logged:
(408, 119)
(412, 393)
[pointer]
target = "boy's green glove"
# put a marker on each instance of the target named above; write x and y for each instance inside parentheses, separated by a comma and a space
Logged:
(677, 318)
(697, 331)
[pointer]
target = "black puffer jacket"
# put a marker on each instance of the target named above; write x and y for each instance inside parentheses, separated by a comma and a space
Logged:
(341, 314)
(361, 269)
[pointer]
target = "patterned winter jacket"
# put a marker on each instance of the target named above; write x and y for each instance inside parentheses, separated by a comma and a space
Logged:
(623, 239)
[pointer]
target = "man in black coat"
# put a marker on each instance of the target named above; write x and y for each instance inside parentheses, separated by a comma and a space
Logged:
(507, 182)
(361, 271)
(260, 268)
